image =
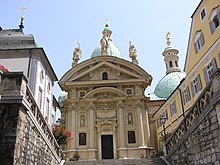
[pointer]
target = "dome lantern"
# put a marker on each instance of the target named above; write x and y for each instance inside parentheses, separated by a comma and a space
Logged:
(107, 47)
(171, 57)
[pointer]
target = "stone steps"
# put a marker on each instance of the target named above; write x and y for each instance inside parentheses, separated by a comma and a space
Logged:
(147, 161)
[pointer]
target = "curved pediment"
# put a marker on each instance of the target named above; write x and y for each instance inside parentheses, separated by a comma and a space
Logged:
(117, 69)
(105, 92)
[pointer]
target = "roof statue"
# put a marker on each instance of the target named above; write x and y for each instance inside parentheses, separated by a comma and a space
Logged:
(77, 53)
(133, 53)
(168, 38)
(106, 46)
(21, 26)
(105, 39)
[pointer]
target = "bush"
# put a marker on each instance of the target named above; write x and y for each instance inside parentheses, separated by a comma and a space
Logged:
(61, 135)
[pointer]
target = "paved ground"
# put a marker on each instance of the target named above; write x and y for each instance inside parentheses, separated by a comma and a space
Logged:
(148, 161)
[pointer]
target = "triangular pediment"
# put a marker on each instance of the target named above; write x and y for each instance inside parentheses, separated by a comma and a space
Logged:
(117, 69)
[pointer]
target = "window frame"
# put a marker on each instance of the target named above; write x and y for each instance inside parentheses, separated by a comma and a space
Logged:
(79, 93)
(173, 109)
(82, 141)
(104, 76)
(196, 85)
(203, 14)
(131, 137)
(129, 89)
(199, 41)
(209, 69)
(214, 16)
(186, 95)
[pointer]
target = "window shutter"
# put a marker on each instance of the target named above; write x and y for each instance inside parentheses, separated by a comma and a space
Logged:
(174, 106)
(205, 75)
(214, 64)
(199, 82)
(192, 89)
(211, 27)
(218, 15)
(188, 92)
(195, 47)
(202, 39)
(171, 110)
(183, 98)
(219, 56)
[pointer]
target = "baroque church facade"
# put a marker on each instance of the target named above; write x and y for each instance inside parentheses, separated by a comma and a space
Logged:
(105, 105)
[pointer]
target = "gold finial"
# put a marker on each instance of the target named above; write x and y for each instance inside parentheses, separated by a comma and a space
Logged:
(168, 38)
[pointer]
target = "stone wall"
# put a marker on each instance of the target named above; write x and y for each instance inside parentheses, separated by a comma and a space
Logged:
(203, 144)
(24, 139)
(197, 139)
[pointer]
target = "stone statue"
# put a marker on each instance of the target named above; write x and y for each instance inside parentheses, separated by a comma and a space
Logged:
(77, 53)
(130, 118)
(104, 43)
(82, 121)
(133, 53)
(168, 38)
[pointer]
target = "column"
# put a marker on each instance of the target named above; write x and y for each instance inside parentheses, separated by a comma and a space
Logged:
(146, 127)
(73, 126)
(99, 143)
(121, 125)
(140, 125)
(114, 143)
(91, 126)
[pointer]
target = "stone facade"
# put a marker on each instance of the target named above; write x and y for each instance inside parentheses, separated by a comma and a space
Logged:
(25, 137)
(99, 107)
(197, 139)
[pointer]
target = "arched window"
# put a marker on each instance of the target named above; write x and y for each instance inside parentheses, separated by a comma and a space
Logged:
(104, 76)
(171, 64)
(214, 19)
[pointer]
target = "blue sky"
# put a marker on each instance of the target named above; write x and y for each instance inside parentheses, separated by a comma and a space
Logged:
(58, 25)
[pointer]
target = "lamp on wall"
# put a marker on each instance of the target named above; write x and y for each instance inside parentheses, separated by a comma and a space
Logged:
(163, 121)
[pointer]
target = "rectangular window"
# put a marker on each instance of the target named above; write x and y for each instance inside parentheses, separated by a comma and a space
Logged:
(214, 20)
(199, 42)
(47, 110)
(52, 119)
(131, 137)
(186, 95)
(40, 94)
(173, 108)
(82, 138)
(82, 94)
(196, 85)
(209, 70)
(202, 14)
(129, 91)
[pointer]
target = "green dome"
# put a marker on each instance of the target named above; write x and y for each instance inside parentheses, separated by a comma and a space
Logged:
(112, 51)
(168, 84)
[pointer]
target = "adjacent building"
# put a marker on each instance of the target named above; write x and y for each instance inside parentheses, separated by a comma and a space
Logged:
(20, 53)
(202, 59)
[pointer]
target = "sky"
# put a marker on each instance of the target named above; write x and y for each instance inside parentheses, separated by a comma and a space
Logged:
(57, 26)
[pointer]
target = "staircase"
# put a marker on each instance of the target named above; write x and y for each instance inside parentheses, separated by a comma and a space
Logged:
(147, 161)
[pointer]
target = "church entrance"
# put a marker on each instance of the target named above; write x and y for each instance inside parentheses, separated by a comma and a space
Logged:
(107, 147)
